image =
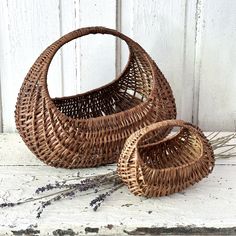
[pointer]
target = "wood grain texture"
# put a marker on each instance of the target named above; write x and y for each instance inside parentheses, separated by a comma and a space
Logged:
(208, 204)
(217, 74)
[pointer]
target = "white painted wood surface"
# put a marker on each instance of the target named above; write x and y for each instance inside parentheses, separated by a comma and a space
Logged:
(207, 206)
(192, 42)
(26, 29)
(217, 76)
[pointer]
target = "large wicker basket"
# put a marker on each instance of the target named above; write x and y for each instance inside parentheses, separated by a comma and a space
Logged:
(152, 166)
(90, 129)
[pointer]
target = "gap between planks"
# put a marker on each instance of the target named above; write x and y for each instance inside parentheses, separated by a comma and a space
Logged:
(118, 40)
(197, 60)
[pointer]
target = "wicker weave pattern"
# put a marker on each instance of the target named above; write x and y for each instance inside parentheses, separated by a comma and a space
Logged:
(90, 129)
(152, 166)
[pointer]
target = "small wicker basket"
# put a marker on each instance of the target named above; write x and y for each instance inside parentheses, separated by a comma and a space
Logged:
(90, 129)
(152, 166)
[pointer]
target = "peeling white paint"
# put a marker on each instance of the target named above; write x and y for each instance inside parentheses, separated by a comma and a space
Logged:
(210, 203)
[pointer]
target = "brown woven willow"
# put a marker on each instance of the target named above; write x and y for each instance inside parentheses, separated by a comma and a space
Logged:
(90, 129)
(153, 166)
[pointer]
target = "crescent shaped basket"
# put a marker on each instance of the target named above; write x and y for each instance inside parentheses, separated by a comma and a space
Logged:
(152, 166)
(90, 129)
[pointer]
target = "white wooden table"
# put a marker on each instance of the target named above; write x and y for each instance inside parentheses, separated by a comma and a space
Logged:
(208, 207)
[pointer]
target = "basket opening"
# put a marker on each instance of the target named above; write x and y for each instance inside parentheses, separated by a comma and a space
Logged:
(131, 88)
(85, 64)
(180, 148)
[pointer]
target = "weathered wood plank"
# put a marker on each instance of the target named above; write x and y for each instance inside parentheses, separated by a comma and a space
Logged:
(193, 210)
(26, 30)
(217, 67)
(194, 207)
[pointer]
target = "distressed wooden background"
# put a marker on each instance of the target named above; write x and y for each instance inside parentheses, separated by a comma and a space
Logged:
(192, 41)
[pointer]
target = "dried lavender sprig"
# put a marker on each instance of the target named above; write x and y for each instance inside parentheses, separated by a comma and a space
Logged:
(9, 204)
(63, 195)
(69, 193)
(86, 184)
(95, 179)
(12, 204)
(49, 187)
(96, 202)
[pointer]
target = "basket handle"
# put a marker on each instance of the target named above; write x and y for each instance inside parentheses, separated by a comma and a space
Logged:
(46, 57)
(168, 124)
(35, 82)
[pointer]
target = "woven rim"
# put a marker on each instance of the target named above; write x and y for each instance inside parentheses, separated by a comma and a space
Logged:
(52, 50)
(144, 172)
(169, 124)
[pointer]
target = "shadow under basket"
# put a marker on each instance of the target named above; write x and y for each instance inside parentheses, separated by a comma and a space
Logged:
(90, 129)
(153, 166)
